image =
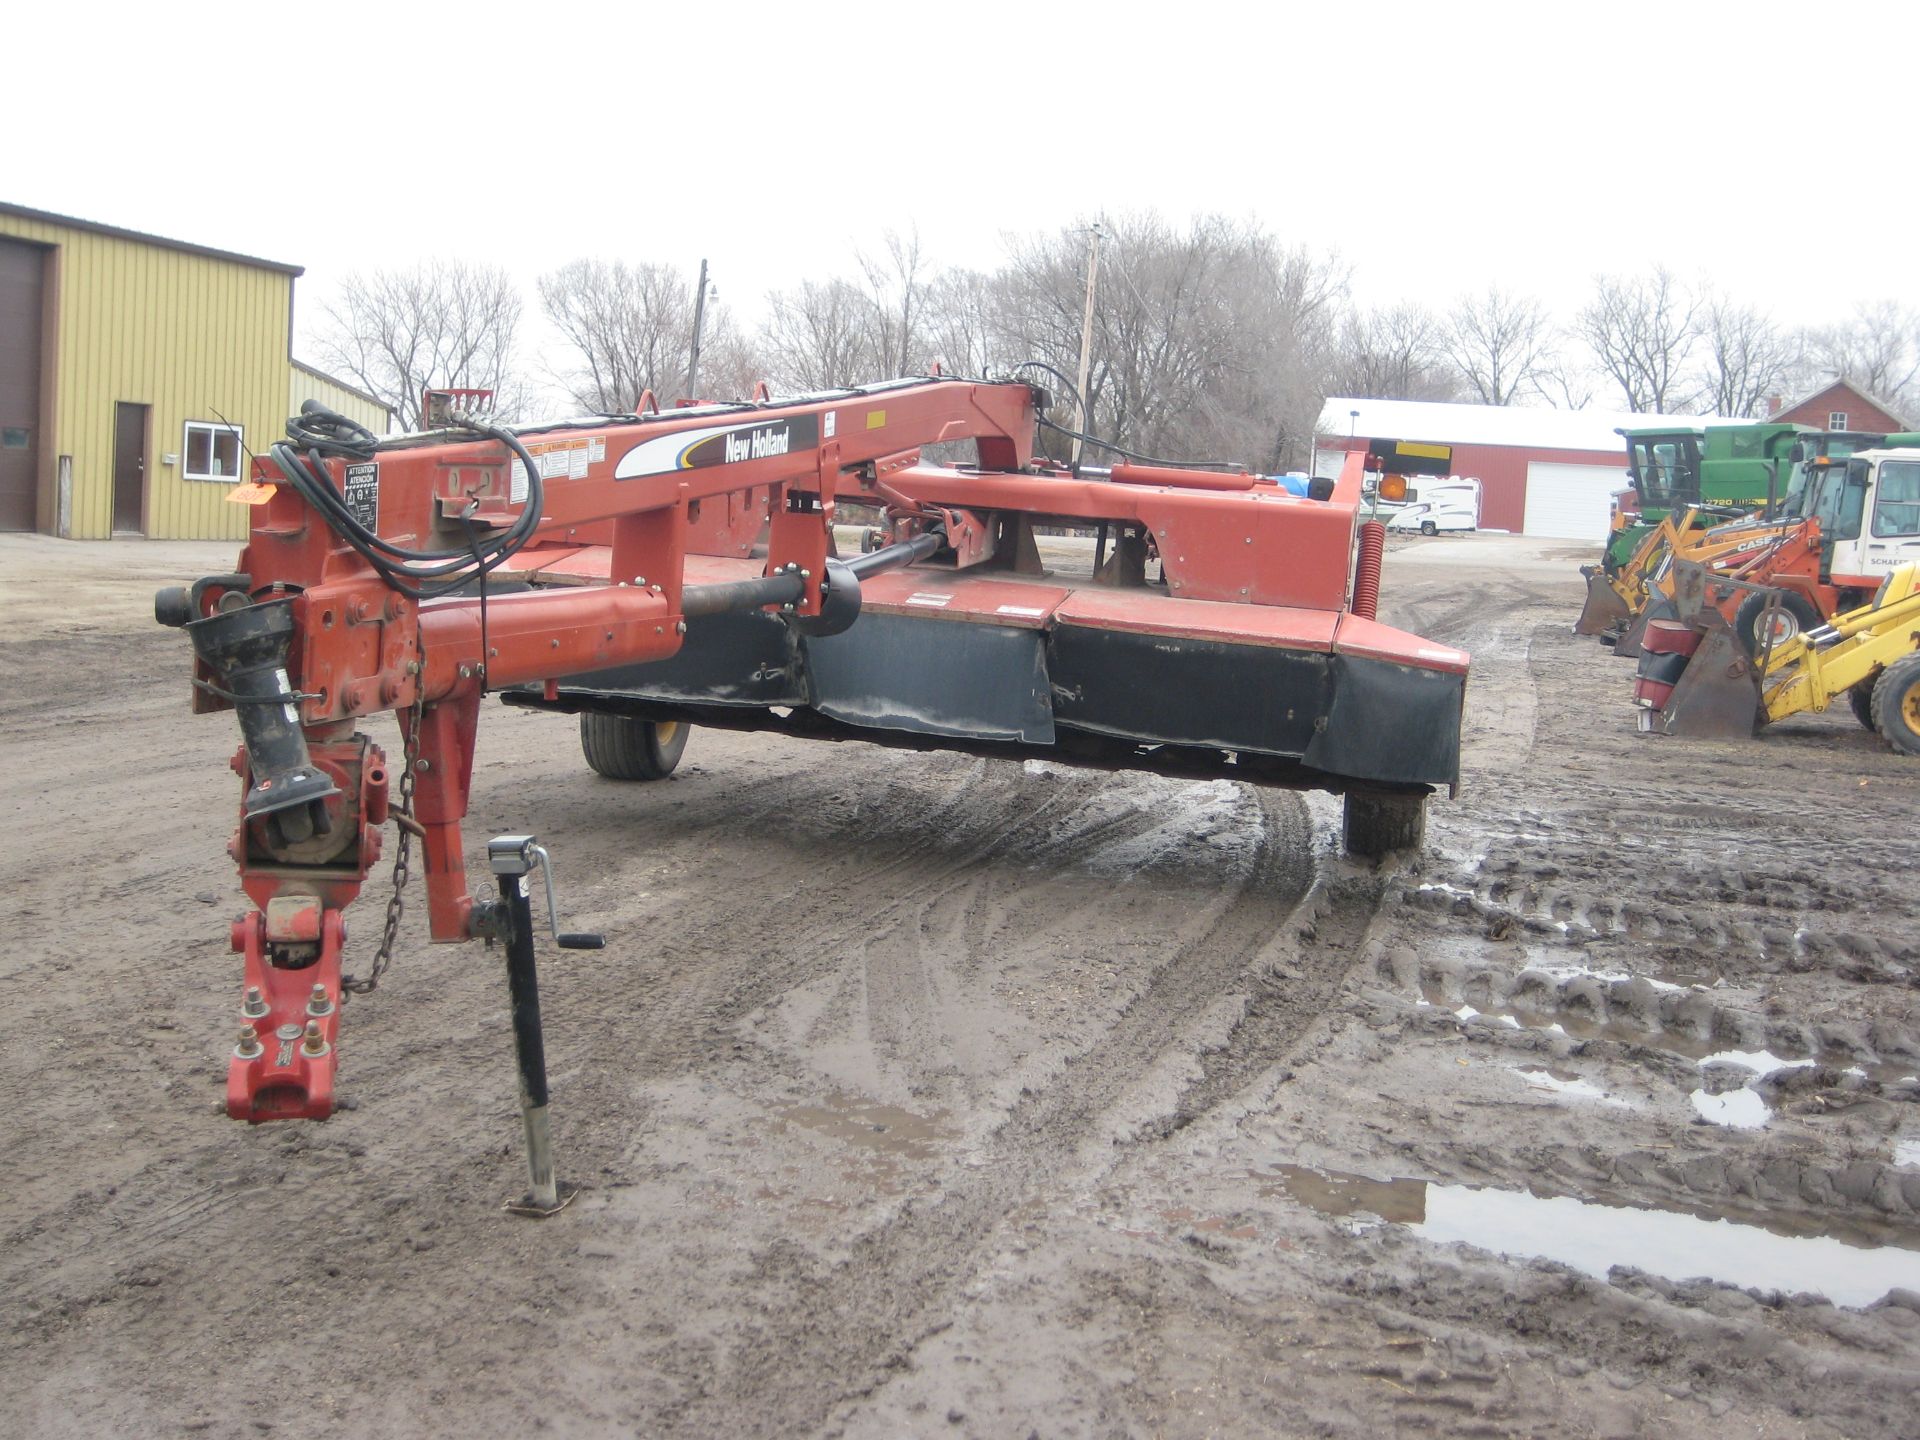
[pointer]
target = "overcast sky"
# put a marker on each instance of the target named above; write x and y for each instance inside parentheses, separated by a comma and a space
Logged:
(1435, 147)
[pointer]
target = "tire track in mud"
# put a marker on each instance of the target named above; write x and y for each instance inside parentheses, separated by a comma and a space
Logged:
(833, 1331)
(714, 965)
(1039, 892)
(1498, 730)
(1764, 916)
(691, 1004)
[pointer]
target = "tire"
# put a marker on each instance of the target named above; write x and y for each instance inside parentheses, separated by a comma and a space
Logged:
(1896, 705)
(1379, 822)
(622, 747)
(1861, 698)
(1797, 616)
(1427, 527)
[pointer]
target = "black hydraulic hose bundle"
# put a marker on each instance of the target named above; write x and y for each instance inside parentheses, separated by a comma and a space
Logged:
(320, 433)
(1094, 440)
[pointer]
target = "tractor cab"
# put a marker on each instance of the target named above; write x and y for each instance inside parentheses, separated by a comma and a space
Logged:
(1665, 467)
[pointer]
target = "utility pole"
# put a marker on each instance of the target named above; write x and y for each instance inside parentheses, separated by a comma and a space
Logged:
(699, 318)
(1086, 343)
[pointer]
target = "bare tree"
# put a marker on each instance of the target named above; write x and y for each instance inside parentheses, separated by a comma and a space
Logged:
(1210, 343)
(1745, 358)
(439, 324)
(1878, 350)
(1498, 342)
(1564, 383)
(839, 331)
(897, 286)
(820, 335)
(1642, 334)
(1264, 408)
(731, 362)
(1393, 354)
(628, 329)
(959, 323)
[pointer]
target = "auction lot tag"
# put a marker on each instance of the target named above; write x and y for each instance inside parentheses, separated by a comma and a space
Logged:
(251, 492)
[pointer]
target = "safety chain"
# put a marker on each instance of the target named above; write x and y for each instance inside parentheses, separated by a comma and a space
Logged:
(403, 822)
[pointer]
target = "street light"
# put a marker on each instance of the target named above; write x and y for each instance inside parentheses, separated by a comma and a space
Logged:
(699, 319)
(1081, 418)
(1353, 422)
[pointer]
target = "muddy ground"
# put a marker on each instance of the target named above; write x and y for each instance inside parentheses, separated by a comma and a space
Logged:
(920, 1095)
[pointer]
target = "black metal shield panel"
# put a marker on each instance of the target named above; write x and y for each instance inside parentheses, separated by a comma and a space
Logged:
(1177, 691)
(933, 677)
(1391, 722)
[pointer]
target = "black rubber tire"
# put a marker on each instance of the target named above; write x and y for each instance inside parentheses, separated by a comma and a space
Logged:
(621, 747)
(1746, 619)
(1896, 705)
(1861, 698)
(1427, 527)
(1379, 822)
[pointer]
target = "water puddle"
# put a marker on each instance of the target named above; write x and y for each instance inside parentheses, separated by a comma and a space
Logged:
(1561, 1082)
(884, 1129)
(1761, 1062)
(1734, 1109)
(1740, 1108)
(1593, 1238)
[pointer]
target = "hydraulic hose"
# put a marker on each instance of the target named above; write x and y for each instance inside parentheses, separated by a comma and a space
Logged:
(424, 574)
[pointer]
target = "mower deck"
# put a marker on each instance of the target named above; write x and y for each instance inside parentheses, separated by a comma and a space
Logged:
(1058, 666)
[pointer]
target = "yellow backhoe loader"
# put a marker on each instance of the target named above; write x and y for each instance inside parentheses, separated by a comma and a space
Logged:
(1697, 679)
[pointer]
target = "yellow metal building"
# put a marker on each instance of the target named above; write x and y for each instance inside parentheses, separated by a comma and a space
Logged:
(311, 384)
(135, 375)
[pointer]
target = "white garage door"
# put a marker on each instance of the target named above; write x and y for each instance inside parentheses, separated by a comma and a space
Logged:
(1571, 502)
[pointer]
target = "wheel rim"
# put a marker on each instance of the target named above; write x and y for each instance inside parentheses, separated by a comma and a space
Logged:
(666, 731)
(1910, 708)
(1780, 626)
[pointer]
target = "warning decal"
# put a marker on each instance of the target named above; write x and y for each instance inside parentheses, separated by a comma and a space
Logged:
(362, 493)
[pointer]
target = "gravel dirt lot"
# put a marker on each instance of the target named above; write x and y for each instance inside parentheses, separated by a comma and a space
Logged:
(922, 1095)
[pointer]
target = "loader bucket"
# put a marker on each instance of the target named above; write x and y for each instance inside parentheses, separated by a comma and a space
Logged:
(1604, 608)
(1713, 695)
(1658, 607)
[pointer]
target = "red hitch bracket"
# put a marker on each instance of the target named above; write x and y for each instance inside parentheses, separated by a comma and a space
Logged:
(282, 1067)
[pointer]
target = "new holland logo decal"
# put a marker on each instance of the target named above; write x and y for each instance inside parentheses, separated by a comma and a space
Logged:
(718, 445)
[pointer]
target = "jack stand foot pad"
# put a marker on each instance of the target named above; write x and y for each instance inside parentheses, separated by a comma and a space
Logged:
(532, 1209)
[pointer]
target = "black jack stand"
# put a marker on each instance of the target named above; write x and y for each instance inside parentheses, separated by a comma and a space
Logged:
(513, 858)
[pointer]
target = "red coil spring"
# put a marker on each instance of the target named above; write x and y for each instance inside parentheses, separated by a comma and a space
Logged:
(1366, 569)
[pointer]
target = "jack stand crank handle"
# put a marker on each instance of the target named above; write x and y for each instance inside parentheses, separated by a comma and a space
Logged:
(512, 857)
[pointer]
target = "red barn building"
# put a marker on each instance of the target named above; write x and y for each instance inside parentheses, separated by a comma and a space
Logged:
(1841, 405)
(1551, 473)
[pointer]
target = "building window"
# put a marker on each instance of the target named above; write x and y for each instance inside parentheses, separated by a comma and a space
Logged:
(212, 451)
(1836, 419)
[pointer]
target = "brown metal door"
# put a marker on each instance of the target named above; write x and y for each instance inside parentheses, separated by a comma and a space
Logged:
(129, 468)
(19, 383)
